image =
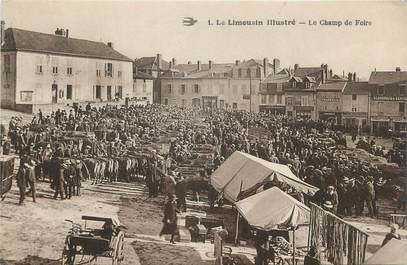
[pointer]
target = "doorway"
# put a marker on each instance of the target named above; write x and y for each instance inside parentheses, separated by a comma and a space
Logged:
(54, 93)
(109, 93)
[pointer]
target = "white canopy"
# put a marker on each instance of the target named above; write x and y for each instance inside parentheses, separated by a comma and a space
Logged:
(271, 208)
(248, 171)
(394, 253)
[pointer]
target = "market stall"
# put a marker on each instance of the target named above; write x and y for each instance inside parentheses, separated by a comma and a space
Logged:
(394, 253)
(242, 172)
(274, 209)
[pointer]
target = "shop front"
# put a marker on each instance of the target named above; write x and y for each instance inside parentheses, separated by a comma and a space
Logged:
(334, 117)
(272, 109)
(305, 112)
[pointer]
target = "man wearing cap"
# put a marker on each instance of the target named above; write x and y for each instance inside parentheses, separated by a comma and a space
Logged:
(59, 181)
(69, 179)
(30, 177)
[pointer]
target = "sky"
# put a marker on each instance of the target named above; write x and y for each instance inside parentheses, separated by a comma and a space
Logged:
(145, 28)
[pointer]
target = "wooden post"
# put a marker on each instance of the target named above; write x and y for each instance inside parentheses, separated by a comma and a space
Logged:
(294, 245)
(237, 218)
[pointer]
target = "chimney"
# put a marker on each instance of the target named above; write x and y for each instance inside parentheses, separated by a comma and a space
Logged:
(354, 77)
(174, 62)
(170, 65)
(276, 65)
(159, 60)
(199, 65)
(295, 67)
(326, 71)
(330, 73)
(323, 76)
(398, 69)
(237, 62)
(266, 66)
(110, 44)
(2, 31)
(210, 64)
(189, 62)
(67, 33)
(350, 76)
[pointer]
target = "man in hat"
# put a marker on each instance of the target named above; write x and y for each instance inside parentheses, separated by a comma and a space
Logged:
(22, 182)
(77, 178)
(59, 181)
(30, 177)
(170, 218)
(332, 196)
(180, 192)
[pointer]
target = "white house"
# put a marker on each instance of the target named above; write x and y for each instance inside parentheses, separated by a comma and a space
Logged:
(41, 69)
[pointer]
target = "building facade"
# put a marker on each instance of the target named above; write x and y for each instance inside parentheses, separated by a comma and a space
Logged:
(272, 93)
(356, 106)
(143, 87)
(329, 101)
(41, 69)
(388, 101)
(226, 86)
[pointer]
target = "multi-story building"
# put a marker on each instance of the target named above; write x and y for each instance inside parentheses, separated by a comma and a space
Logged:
(355, 105)
(143, 87)
(388, 101)
(40, 69)
(272, 92)
(329, 100)
(154, 66)
(300, 93)
(230, 86)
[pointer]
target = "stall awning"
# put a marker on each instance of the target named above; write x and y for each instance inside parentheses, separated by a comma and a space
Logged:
(242, 172)
(394, 253)
(273, 209)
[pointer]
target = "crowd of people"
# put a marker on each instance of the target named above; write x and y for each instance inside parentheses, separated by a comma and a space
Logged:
(309, 148)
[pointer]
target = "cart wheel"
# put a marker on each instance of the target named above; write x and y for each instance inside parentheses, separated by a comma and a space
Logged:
(118, 249)
(68, 253)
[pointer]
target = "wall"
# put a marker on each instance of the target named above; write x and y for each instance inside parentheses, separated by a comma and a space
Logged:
(8, 81)
(143, 88)
(226, 89)
(83, 78)
(329, 101)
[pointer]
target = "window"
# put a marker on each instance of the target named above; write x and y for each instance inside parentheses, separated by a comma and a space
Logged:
(69, 71)
(402, 107)
(166, 101)
(279, 99)
(98, 72)
(221, 89)
(69, 91)
(263, 99)
(402, 90)
(169, 88)
(61, 93)
(249, 72)
(354, 109)
(380, 107)
(183, 102)
(26, 96)
(183, 89)
(39, 69)
(119, 92)
(290, 101)
(98, 92)
(55, 70)
(307, 84)
(234, 106)
(196, 88)
(234, 87)
(7, 63)
(119, 74)
(271, 99)
(239, 72)
(225, 74)
(354, 96)
(380, 90)
(293, 84)
(279, 87)
(258, 73)
(109, 69)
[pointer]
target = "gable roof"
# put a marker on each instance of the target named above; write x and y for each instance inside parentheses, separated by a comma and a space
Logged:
(359, 88)
(150, 63)
(31, 41)
(390, 77)
(332, 86)
(307, 71)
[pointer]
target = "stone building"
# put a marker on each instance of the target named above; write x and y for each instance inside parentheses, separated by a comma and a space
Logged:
(213, 85)
(388, 101)
(41, 69)
(356, 105)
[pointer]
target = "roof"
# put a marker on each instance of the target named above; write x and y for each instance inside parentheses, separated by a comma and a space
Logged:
(142, 75)
(25, 40)
(359, 88)
(192, 70)
(273, 208)
(394, 253)
(150, 63)
(382, 78)
(307, 71)
(242, 172)
(278, 78)
(332, 86)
